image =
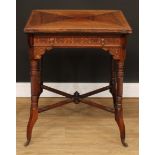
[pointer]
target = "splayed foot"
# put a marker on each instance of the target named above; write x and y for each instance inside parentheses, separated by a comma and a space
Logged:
(124, 143)
(27, 143)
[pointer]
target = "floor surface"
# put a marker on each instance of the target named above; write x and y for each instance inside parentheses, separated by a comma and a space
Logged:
(77, 129)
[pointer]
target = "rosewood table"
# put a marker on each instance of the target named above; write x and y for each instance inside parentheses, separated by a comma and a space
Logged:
(104, 29)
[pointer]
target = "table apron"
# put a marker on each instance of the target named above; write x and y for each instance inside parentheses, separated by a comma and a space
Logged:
(77, 41)
(114, 44)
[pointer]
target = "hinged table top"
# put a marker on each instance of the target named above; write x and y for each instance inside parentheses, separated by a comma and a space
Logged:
(77, 21)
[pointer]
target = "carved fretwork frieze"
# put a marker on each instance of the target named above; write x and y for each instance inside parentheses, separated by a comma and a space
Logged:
(76, 41)
(37, 52)
(114, 46)
(118, 53)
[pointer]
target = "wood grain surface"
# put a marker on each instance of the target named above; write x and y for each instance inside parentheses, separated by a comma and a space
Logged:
(103, 21)
(77, 129)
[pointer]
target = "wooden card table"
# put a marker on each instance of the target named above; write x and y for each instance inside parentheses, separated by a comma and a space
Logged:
(103, 29)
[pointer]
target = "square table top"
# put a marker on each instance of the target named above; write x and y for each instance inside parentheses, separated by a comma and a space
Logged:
(77, 21)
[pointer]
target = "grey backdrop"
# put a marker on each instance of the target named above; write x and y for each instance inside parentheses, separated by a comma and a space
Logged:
(78, 65)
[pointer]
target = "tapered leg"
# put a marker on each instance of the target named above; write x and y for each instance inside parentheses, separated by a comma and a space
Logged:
(35, 92)
(118, 107)
(32, 119)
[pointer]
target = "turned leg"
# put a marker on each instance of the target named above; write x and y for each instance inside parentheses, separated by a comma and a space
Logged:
(118, 107)
(41, 74)
(113, 81)
(35, 92)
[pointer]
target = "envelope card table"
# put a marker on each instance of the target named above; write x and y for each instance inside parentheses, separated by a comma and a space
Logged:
(102, 29)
